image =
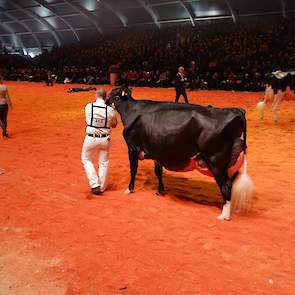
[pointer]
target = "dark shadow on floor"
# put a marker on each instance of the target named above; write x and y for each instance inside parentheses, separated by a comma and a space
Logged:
(187, 190)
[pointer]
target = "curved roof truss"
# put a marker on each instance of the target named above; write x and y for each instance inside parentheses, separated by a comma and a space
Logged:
(189, 11)
(44, 4)
(150, 11)
(25, 26)
(118, 14)
(233, 15)
(283, 6)
(84, 18)
(40, 20)
(16, 41)
(86, 13)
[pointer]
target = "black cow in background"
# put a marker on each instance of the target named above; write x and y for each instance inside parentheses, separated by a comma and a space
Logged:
(184, 137)
(276, 85)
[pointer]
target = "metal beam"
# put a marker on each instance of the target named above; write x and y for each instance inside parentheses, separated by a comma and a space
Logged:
(17, 42)
(189, 11)
(183, 20)
(118, 14)
(45, 17)
(44, 4)
(283, 5)
(43, 32)
(86, 13)
(233, 15)
(163, 3)
(24, 25)
(150, 11)
(28, 19)
(36, 17)
(213, 17)
(260, 13)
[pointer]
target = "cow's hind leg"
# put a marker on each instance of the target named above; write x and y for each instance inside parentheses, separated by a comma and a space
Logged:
(133, 159)
(268, 94)
(225, 186)
(159, 173)
(278, 98)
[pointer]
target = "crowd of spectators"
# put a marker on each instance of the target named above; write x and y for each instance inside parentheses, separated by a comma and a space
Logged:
(216, 56)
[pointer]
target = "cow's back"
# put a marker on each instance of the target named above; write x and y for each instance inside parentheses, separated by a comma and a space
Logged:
(173, 137)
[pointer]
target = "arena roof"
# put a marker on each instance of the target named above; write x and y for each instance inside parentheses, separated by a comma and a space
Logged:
(32, 25)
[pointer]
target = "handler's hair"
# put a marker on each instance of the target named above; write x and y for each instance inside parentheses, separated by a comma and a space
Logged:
(101, 93)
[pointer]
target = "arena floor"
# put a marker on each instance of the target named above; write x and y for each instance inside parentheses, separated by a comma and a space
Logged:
(55, 239)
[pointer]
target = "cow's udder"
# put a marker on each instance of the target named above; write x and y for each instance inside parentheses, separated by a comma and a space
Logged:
(197, 164)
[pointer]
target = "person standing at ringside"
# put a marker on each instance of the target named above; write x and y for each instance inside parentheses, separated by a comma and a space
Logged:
(100, 118)
(180, 82)
(5, 105)
(49, 79)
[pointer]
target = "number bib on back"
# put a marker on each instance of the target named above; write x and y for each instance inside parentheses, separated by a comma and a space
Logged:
(99, 120)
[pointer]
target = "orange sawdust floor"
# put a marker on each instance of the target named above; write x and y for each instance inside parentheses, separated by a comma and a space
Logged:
(55, 240)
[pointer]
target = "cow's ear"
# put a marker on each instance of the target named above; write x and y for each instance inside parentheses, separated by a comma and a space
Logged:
(124, 95)
(124, 87)
(128, 91)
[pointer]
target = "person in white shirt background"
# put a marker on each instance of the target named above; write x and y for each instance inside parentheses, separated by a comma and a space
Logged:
(100, 118)
(5, 105)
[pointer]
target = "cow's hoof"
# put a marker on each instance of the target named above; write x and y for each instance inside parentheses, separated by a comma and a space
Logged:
(223, 217)
(161, 194)
(128, 191)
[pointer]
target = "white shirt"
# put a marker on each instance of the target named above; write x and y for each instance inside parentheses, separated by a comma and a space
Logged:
(99, 117)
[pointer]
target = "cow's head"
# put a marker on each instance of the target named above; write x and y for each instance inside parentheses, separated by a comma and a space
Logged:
(118, 94)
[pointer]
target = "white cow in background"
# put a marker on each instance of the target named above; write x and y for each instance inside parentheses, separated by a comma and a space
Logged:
(276, 85)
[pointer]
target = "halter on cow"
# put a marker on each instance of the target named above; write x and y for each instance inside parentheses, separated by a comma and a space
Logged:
(276, 86)
(184, 137)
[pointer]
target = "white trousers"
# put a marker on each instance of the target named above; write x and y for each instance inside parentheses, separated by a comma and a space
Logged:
(96, 148)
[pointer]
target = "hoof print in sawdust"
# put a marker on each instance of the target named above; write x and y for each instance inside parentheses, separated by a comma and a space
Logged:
(123, 288)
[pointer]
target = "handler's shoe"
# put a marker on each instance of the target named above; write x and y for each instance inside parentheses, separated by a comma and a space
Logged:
(96, 190)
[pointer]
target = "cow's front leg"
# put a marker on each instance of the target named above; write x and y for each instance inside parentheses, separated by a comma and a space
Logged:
(159, 173)
(133, 160)
(278, 97)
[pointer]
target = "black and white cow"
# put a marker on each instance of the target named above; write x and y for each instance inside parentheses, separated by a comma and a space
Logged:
(185, 137)
(276, 86)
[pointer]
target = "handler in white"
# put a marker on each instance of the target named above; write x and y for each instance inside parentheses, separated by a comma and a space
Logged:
(5, 105)
(100, 118)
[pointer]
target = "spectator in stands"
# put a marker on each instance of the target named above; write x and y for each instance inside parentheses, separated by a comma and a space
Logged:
(220, 55)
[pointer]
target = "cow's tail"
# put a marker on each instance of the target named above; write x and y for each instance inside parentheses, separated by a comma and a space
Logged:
(242, 191)
(244, 121)
(243, 187)
(261, 105)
